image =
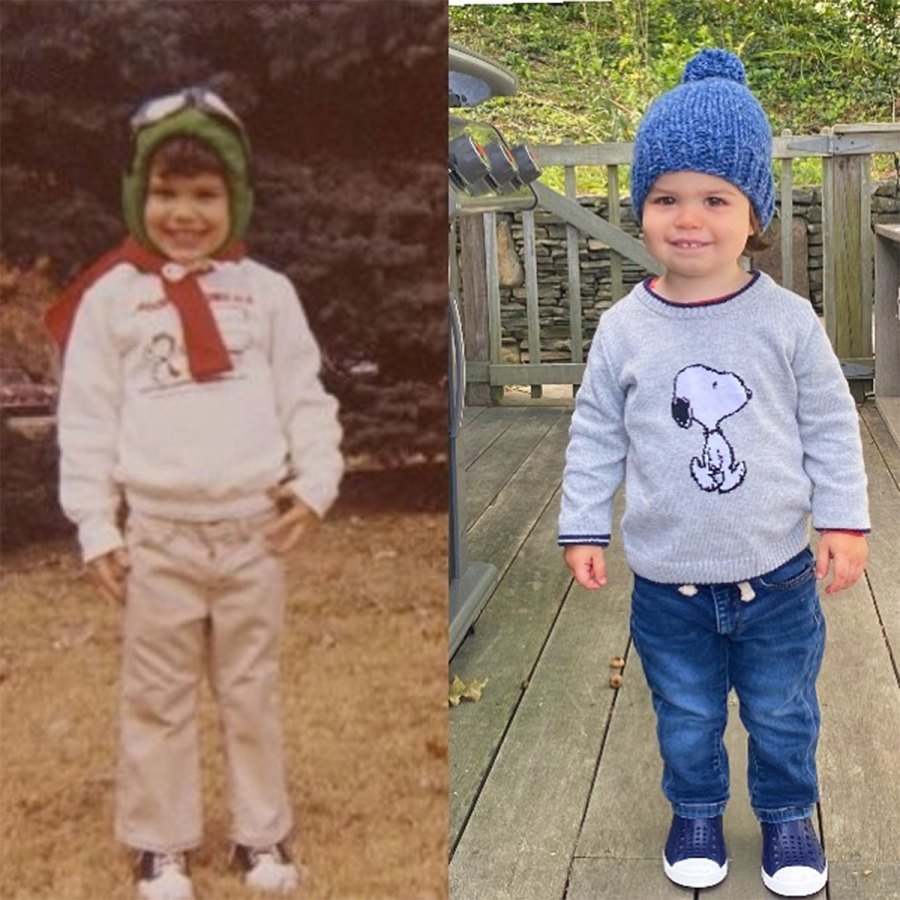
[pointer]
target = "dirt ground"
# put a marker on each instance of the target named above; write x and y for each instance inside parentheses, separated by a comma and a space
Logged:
(364, 684)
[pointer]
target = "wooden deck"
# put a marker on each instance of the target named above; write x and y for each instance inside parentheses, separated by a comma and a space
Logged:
(554, 776)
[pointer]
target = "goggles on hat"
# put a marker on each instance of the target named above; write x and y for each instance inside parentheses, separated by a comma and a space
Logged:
(192, 112)
(200, 98)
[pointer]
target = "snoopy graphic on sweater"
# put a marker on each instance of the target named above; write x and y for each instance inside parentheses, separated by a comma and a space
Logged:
(707, 396)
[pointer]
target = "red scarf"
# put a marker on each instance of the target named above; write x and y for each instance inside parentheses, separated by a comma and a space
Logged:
(206, 352)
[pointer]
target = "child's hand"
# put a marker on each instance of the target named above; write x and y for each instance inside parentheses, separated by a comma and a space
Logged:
(294, 518)
(108, 574)
(587, 565)
(849, 552)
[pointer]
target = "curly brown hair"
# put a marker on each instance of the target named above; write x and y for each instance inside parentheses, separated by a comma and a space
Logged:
(757, 241)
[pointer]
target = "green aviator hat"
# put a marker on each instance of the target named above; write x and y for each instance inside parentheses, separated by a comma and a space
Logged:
(198, 113)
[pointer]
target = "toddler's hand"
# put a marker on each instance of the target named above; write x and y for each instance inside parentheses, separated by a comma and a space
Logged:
(849, 552)
(587, 565)
(294, 518)
(108, 574)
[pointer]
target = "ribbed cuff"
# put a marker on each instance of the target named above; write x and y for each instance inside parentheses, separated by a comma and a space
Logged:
(594, 540)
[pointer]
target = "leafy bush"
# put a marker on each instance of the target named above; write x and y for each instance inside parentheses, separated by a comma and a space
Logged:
(351, 195)
(587, 71)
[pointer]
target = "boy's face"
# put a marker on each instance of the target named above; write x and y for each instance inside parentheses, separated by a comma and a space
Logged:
(696, 225)
(187, 217)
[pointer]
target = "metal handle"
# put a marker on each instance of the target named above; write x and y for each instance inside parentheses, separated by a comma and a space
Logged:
(457, 368)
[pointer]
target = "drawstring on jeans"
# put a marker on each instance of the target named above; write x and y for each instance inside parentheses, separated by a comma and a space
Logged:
(747, 593)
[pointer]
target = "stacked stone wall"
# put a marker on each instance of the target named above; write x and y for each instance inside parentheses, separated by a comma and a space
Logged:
(596, 282)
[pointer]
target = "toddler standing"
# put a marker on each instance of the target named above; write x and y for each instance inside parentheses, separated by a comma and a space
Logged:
(190, 390)
(716, 396)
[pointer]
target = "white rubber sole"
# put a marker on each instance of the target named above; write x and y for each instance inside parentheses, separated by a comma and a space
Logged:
(276, 878)
(795, 881)
(695, 872)
(169, 886)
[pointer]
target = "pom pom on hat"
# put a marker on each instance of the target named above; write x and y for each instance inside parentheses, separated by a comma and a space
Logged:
(714, 64)
(709, 123)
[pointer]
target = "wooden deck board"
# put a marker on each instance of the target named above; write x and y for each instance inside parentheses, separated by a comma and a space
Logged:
(627, 777)
(493, 468)
(887, 447)
(503, 648)
(546, 763)
(858, 689)
(621, 879)
(480, 432)
(884, 543)
(556, 799)
(504, 524)
(855, 881)
(860, 727)
(889, 407)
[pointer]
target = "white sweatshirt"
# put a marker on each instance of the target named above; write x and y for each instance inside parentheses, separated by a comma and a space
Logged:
(132, 420)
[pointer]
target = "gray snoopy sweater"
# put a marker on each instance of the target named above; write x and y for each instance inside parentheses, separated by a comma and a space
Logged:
(731, 424)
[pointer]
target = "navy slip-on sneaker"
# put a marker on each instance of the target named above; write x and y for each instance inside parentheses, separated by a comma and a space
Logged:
(695, 853)
(793, 861)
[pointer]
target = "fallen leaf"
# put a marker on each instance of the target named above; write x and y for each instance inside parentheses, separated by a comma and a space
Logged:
(462, 690)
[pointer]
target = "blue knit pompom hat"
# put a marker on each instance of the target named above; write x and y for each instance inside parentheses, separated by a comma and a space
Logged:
(710, 123)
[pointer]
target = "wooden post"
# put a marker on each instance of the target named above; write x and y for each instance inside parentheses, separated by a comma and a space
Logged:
(574, 264)
(531, 296)
(787, 220)
(473, 271)
(573, 258)
(492, 278)
(614, 217)
(887, 325)
(847, 261)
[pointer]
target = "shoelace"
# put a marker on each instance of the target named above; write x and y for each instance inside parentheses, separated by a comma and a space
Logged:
(275, 853)
(163, 861)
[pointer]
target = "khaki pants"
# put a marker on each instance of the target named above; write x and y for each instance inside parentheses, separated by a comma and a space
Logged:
(200, 597)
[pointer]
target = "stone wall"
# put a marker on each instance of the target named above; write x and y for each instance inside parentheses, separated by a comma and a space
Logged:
(552, 267)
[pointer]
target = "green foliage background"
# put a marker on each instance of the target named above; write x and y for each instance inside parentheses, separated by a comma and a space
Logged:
(345, 106)
(588, 70)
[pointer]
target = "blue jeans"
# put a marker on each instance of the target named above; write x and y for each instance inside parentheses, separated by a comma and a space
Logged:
(694, 649)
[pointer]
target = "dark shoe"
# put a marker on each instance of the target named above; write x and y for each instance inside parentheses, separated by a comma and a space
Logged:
(164, 876)
(793, 861)
(267, 868)
(695, 854)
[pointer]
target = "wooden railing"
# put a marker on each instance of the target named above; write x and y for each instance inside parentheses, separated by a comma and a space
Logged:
(846, 152)
(887, 325)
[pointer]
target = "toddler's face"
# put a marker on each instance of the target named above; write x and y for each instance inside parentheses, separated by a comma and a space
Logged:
(695, 224)
(187, 217)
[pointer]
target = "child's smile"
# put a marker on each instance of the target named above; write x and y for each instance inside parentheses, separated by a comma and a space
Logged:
(697, 225)
(187, 217)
